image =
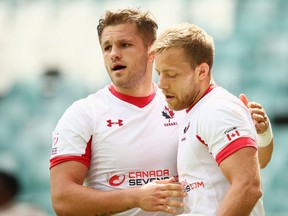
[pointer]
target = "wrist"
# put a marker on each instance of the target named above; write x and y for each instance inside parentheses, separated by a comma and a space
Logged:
(134, 197)
(265, 138)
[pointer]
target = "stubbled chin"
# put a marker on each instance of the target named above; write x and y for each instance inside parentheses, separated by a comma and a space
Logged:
(170, 104)
(173, 106)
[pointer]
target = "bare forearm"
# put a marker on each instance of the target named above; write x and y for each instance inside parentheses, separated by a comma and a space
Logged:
(239, 201)
(242, 171)
(265, 154)
(70, 197)
(79, 200)
(265, 143)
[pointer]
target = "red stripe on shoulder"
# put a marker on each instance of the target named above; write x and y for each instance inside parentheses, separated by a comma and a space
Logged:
(235, 146)
(84, 158)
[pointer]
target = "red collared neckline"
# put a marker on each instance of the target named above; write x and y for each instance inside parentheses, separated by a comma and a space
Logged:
(137, 101)
(210, 88)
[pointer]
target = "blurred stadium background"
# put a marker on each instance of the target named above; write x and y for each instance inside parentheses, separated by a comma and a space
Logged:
(50, 57)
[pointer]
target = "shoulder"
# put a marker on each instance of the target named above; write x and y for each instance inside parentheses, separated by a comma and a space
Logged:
(221, 100)
(94, 100)
(221, 106)
(86, 108)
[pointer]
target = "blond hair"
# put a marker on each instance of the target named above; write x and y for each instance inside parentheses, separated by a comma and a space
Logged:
(197, 44)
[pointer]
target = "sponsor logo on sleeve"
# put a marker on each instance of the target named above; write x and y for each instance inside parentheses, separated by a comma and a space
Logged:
(232, 134)
(54, 144)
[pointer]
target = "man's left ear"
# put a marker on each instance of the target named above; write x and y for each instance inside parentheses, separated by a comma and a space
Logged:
(203, 69)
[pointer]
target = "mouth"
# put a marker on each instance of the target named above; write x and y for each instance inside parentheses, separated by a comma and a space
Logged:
(118, 67)
(169, 98)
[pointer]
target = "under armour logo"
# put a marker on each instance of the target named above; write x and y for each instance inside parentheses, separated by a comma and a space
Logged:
(110, 123)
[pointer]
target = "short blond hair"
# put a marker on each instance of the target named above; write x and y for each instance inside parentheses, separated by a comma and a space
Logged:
(197, 44)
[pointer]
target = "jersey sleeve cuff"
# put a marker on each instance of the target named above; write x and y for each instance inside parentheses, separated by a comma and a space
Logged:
(235, 146)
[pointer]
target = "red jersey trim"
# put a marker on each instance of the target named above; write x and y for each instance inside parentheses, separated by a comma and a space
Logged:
(210, 88)
(137, 101)
(235, 146)
(84, 159)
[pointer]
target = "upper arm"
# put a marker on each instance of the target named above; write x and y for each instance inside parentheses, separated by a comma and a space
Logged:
(72, 137)
(63, 174)
(242, 166)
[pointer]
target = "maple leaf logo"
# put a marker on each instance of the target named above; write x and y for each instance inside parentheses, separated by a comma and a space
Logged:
(167, 113)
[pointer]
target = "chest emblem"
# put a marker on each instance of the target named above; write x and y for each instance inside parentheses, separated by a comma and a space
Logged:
(168, 114)
(110, 123)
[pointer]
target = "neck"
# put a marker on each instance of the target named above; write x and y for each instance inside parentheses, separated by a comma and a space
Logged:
(205, 90)
(144, 88)
(212, 82)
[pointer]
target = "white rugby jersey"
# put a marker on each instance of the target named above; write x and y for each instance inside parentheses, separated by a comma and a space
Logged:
(124, 141)
(217, 126)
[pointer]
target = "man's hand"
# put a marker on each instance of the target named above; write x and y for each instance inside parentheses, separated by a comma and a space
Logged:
(160, 196)
(265, 139)
(258, 114)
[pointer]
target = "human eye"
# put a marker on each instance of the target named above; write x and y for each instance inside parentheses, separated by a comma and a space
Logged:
(125, 45)
(107, 47)
(171, 75)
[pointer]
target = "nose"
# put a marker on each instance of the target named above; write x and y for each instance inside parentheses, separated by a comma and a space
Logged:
(162, 84)
(115, 53)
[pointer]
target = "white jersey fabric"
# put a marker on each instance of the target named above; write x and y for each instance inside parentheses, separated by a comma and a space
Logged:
(124, 141)
(216, 127)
